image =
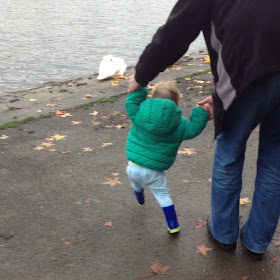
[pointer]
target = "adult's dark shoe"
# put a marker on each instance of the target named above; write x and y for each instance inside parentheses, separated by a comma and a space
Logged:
(225, 247)
(252, 255)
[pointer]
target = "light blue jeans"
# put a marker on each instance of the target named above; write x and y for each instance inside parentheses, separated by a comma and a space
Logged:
(259, 105)
(140, 177)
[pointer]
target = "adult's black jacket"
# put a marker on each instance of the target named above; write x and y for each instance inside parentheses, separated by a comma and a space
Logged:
(242, 37)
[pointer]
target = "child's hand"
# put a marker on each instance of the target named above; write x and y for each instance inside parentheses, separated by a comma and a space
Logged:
(209, 101)
(206, 107)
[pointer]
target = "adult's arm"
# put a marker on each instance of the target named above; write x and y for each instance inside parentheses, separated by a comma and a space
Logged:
(171, 41)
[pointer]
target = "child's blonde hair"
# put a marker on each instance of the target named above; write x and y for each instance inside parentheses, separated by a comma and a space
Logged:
(166, 90)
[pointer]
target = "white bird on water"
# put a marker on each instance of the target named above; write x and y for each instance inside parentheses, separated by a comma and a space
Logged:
(110, 66)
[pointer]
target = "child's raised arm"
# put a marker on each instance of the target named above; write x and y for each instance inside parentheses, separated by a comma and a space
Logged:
(134, 100)
(198, 120)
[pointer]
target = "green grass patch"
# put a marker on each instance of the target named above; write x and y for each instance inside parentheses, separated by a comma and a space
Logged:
(12, 124)
(99, 101)
(106, 100)
(198, 73)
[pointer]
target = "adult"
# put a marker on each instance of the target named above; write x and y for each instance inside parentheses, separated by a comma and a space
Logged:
(242, 38)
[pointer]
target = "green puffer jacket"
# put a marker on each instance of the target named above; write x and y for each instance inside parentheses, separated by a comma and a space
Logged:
(158, 128)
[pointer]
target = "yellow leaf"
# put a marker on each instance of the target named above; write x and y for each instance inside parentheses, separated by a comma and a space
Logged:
(89, 96)
(66, 115)
(87, 149)
(107, 144)
(38, 148)
(47, 144)
(32, 100)
(245, 278)
(95, 113)
(120, 126)
(113, 83)
(187, 151)
(206, 58)
(58, 137)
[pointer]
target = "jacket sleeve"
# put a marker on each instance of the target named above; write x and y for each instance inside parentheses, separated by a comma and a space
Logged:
(133, 101)
(171, 41)
(196, 124)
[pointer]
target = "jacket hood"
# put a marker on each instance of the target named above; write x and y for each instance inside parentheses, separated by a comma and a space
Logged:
(158, 116)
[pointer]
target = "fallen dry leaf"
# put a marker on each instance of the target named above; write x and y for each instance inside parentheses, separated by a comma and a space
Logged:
(94, 113)
(199, 223)
(107, 144)
(76, 122)
(59, 113)
(4, 137)
(113, 83)
(176, 67)
(47, 144)
(187, 151)
(203, 249)
(108, 224)
(206, 58)
(32, 100)
(245, 278)
(89, 96)
(65, 242)
(38, 148)
(112, 182)
(244, 201)
(55, 259)
(87, 149)
(277, 243)
(51, 105)
(275, 259)
(120, 126)
(65, 152)
(66, 115)
(57, 137)
(157, 268)
(115, 174)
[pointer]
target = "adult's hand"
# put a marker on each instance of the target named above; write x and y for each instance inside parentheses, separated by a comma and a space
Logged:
(133, 85)
(208, 100)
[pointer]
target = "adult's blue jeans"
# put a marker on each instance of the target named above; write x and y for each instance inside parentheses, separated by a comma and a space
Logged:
(260, 104)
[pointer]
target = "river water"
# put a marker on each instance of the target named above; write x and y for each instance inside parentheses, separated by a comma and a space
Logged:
(50, 40)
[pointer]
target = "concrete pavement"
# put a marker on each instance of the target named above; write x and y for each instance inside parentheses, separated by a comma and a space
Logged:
(67, 210)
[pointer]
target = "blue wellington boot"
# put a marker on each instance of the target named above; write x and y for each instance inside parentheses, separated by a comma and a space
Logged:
(171, 219)
(140, 197)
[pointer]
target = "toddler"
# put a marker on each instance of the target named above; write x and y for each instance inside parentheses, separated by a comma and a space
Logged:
(158, 128)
